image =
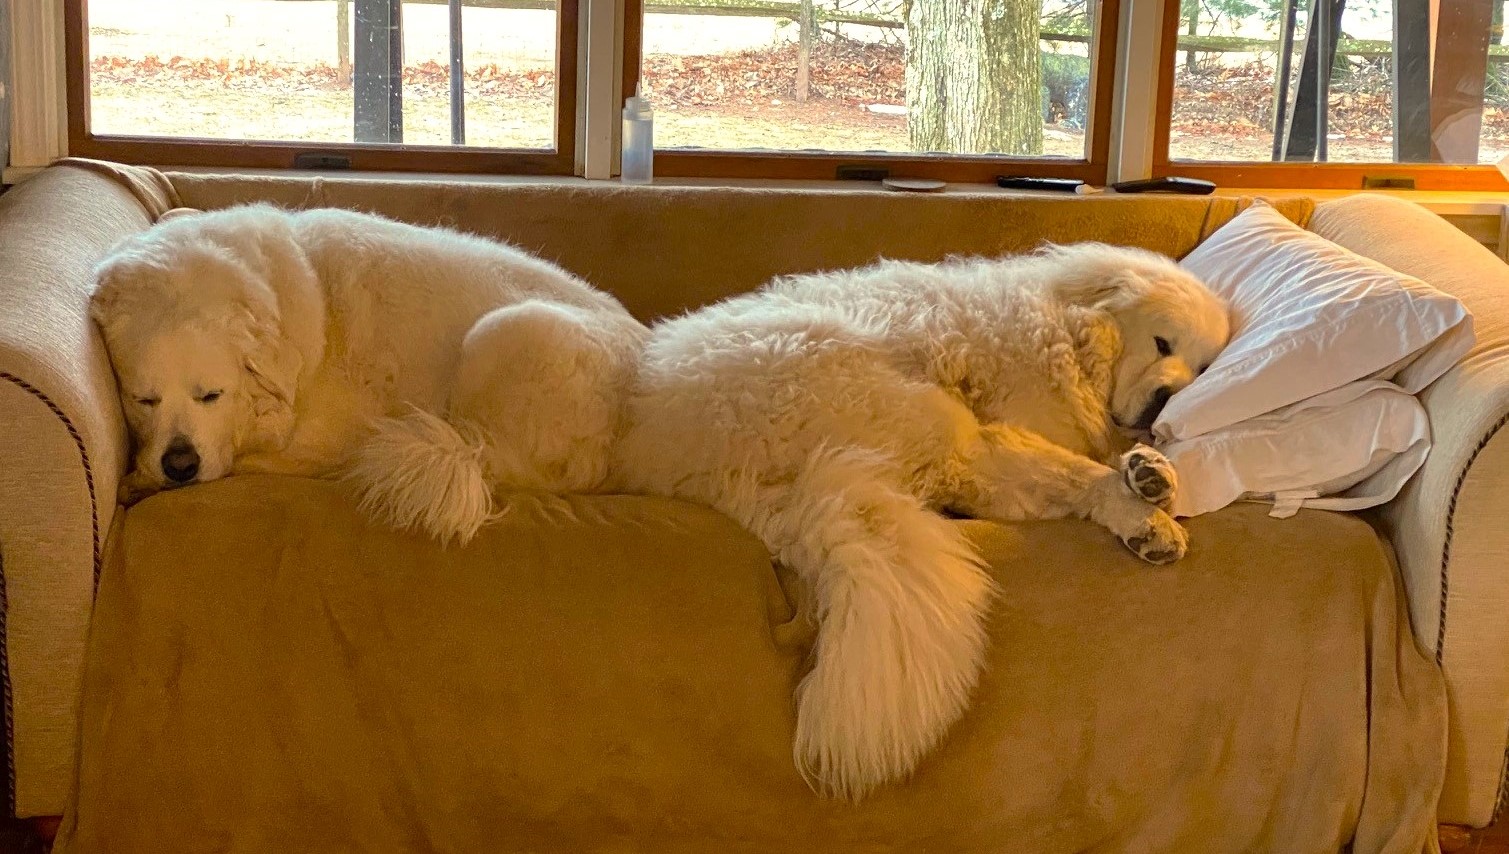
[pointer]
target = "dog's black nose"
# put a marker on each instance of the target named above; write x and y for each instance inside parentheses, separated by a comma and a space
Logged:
(180, 462)
(1154, 408)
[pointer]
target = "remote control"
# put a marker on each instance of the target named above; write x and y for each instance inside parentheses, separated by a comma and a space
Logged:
(1059, 185)
(1169, 184)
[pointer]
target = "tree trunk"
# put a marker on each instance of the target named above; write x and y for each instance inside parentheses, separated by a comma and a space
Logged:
(1194, 30)
(973, 76)
(343, 41)
(806, 23)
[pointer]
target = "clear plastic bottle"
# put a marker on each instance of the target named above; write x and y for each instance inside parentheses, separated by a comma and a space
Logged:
(637, 160)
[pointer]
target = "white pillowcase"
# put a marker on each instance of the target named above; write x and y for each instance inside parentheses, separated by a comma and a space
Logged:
(1307, 317)
(1363, 440)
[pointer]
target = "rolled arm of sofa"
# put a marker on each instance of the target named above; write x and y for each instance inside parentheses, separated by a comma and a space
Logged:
(63, 449)
(1450, 525)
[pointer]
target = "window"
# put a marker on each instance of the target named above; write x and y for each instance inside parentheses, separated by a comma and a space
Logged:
(780, 88)
(799, 88)
(957, 90)
(484, 84)
(1407, 94)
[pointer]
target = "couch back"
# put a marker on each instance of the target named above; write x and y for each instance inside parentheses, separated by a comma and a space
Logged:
(665, 250)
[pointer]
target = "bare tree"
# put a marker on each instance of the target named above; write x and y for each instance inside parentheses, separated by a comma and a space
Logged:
(973, 79)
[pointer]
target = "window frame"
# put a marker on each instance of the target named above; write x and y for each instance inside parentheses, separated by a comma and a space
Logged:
(190, 151)
(1291, 175)
(824, 165)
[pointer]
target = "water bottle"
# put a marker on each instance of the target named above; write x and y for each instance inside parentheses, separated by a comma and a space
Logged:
(637, 165)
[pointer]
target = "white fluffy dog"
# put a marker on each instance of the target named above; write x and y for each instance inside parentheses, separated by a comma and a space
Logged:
(834, 414)
(429, 366)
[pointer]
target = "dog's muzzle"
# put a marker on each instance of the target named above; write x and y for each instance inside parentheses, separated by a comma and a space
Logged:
(1153, 409)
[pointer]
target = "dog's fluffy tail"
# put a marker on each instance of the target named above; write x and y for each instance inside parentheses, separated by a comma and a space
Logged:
(900, 597)
(419, 472)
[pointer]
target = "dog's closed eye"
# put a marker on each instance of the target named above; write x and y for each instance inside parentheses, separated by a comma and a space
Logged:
(148, 401)
(209, 397)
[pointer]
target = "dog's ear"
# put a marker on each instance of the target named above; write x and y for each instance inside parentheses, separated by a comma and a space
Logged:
(1094, 276)
(273, 365)
(1112, 292)
(112, 304)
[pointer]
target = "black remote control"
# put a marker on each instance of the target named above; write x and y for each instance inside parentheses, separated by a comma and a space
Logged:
(1021, 182)
(1167, 184)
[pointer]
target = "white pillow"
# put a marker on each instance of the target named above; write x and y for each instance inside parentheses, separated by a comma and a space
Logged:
(1308, 316)
(1363, 441)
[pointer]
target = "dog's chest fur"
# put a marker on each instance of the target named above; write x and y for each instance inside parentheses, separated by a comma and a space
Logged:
(1053, 377)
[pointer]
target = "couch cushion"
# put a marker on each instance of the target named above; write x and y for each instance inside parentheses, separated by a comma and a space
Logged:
(266, 673)
(665, 249)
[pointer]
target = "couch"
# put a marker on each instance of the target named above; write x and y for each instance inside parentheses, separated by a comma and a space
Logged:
(246, 666)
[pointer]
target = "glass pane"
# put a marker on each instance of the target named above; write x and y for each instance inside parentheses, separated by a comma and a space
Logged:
(277, 70)
(1006, 77)
(1240, 96)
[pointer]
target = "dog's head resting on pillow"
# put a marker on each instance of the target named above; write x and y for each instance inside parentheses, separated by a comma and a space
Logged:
(1171, 325)
(210, 322)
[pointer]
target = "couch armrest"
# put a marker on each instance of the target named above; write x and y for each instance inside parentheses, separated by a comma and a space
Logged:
(1450, 525)
(63, 449)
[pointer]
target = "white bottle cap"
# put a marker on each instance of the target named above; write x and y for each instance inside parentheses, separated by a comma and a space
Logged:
(637, 108)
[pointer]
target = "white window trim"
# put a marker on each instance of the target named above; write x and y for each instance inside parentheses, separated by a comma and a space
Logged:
(1139, 36)
(600, 76)
(39, 91)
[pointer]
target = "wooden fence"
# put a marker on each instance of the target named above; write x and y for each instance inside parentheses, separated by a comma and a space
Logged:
(809, 17)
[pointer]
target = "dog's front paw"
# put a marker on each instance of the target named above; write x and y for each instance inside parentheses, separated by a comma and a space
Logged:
(133, 489)
(1161, 540)
(1150, 476)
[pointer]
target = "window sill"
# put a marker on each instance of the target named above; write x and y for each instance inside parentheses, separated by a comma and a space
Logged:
(1443, 202)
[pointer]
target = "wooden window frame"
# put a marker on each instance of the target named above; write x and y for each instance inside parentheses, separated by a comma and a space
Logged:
(714, 163)
(1268, 175)
(188, 151)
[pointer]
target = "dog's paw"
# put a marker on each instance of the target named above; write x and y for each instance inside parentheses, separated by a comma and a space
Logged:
(133, 489)
(1150, 476)
(1161, 539)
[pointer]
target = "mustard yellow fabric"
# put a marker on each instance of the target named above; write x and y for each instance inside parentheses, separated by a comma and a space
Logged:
(265, 673)
(663, 250)
(614, 674)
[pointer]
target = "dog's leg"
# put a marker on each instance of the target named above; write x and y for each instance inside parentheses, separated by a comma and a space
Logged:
(1012, 474)
(543, 383)
(1149, 474)
(534, 406)
(135, 486)
(291, 464)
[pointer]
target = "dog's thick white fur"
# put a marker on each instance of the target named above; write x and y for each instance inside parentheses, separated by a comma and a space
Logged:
(834, 415)
(432, 368)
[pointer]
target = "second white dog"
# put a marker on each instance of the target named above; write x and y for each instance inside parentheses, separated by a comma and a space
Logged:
(832, 415)
(430, 367)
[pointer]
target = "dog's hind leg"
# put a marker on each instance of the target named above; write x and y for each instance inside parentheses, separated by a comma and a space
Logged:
(544, 385)
(534, 405)
(1010, 474)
